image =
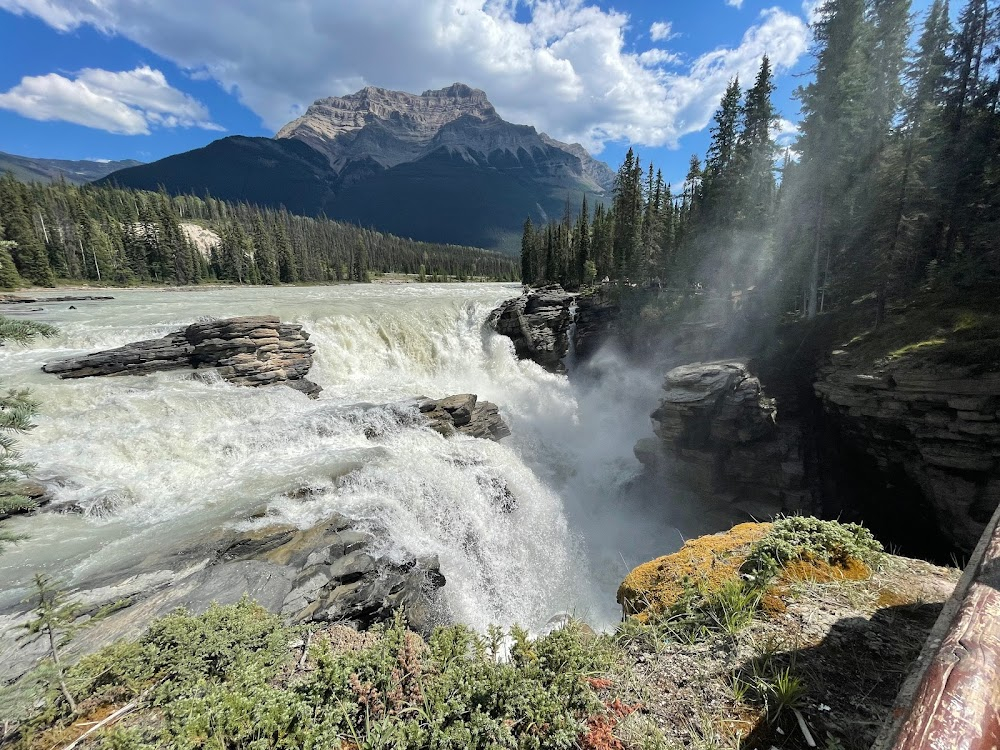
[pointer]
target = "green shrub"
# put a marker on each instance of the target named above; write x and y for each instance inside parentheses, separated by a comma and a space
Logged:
(228, 679)
(810, 539)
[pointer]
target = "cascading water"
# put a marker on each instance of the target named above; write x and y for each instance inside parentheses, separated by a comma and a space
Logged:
(143, 464)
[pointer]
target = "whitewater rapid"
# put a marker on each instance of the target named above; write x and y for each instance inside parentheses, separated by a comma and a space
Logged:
(140, 465)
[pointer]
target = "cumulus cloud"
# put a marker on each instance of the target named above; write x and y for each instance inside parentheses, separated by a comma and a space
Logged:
(734, 3)
(126, 102)
(662, 30)
(568, 69)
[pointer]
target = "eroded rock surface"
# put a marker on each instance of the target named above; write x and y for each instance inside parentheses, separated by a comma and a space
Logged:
(252, 351)
(596, 316)
(937, 428)
(538, 323)
(718, 431)
(333, 571)
(464, 413)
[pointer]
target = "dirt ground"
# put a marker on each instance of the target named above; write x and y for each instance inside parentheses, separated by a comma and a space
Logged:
(842, 648)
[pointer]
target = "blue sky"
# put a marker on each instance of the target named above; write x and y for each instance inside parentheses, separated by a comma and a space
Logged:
(117, 79)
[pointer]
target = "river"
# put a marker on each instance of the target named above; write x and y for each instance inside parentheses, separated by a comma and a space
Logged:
(142, 463)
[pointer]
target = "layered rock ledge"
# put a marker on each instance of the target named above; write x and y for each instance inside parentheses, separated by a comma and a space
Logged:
(932, 431)
(538, 323)
(252, 351)
(718, 431)
(331, 572)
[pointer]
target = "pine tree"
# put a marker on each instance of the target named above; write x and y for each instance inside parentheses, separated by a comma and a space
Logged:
(9, 277)
(720, 174)
(628, 208)
(582, 242)
(527, 253)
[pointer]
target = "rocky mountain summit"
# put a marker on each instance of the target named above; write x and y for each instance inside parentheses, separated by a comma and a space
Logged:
(392, 127)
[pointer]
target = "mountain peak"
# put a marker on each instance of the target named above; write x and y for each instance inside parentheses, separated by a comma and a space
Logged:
(338, 125)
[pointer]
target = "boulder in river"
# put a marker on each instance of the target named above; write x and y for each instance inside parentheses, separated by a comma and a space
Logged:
(538, 323)
(253, 351)
(464, 413)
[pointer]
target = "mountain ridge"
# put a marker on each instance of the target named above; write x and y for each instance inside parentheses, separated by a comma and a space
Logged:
(77, 171)
(440, 166)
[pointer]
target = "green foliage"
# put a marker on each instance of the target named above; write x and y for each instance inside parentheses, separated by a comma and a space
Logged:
(120, 236)
(810, 539)
(228, 678)
(17, 409)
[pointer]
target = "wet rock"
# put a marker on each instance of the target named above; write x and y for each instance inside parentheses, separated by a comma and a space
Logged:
(717, 432)
(464, 413)
(16, 299)
(538, 323)
(596, 316)
(330, 572)
(36, 494)
(252, 351)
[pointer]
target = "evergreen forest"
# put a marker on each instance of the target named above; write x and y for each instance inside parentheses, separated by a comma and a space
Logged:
(109, 235)
(892, 185)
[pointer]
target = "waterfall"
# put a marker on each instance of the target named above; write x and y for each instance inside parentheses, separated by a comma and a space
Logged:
(523, 528)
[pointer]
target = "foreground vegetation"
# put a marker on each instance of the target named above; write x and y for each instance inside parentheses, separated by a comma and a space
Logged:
(17, 409)
(236, 677)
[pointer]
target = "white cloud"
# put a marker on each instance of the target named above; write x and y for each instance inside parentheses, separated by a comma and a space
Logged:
(735, 3)
(785, 132)
(126, 102)
(654, 57)
(569, 70)
(662, 30)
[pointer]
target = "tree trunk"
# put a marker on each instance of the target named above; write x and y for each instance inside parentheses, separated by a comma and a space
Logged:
(59, 670)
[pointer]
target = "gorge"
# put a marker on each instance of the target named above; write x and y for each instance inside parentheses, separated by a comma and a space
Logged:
(137, 469)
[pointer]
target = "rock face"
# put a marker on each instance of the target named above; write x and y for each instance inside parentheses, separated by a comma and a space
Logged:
(718, 432)
(330, 572)
(441, 166)
(252, 351)
(595, 321)
(464, 413)
(538, 323)
(933, 432)
(394, 127)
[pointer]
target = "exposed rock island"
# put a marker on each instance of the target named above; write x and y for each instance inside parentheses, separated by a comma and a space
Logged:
(251, 351)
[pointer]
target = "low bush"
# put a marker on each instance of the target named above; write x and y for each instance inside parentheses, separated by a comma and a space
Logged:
(230, 678)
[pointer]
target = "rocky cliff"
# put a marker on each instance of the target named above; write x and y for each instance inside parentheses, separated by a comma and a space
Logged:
(719, 433)
(538, 323)
(932, 432)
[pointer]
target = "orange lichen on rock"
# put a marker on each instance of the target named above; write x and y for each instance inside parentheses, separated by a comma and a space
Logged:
(707, 561)
(820, 571)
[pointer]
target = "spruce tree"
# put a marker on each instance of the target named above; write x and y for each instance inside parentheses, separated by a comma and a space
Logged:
(527, 253)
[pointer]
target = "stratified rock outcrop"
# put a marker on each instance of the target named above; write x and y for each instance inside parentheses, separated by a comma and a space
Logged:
(464, 413)
(718, 432)
(331, 573)
(538, 323)
(252, 351)
(935, 428)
